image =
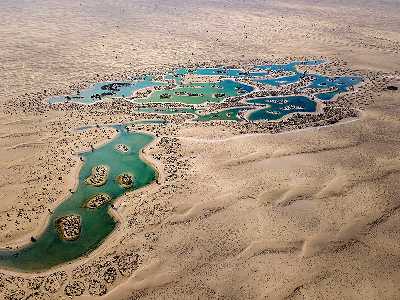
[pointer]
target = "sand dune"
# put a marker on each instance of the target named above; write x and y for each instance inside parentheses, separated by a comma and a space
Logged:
(150, 276)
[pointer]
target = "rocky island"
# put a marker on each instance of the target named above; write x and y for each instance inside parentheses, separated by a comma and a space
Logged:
(125, 180)
(69, 227)
(99, 176)
(98, 201)
(122, 148)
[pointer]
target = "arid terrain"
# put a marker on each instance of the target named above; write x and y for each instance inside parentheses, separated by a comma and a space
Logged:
(236, 213)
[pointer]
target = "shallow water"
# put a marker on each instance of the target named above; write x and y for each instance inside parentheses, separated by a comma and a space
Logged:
(101, 90)
(226, 114)
(198, 93)
(50, 250)
(278, 107)
(172, 89)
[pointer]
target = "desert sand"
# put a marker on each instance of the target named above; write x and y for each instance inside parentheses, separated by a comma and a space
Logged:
(239, 211)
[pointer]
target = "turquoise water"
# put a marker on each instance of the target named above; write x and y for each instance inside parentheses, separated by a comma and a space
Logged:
(50, 250)
(198, 93)
(278, 107)
(264, 109)
(171, 88)
(100, 91)
(226, 114)
(326, 96)
(339, 84)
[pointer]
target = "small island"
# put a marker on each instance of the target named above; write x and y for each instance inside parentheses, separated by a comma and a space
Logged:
(99, 176)
(125, 180)
(122, 148)
(98, 200)
(69, 227)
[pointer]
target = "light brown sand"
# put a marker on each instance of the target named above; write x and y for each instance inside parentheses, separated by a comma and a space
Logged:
(307, 214)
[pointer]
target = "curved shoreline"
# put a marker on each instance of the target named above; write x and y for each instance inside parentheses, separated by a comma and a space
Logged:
(118, 217)
(24, 241)
(112, 212)
(74, 181)
(312, 97)
(142, 156)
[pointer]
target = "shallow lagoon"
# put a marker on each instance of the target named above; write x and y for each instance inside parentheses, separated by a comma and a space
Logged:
(278, 107)
(231, 114)
(263, 109)
(100, 91)
(198, 93)
(172, 88)
(50, 250)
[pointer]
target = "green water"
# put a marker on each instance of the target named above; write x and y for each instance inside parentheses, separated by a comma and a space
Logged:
(171, 88)
(168, 111)
(274, 108)
(223, 115)
(201, 93)
(50, 250)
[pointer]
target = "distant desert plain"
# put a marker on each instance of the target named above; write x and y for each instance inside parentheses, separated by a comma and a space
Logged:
(199, 149)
